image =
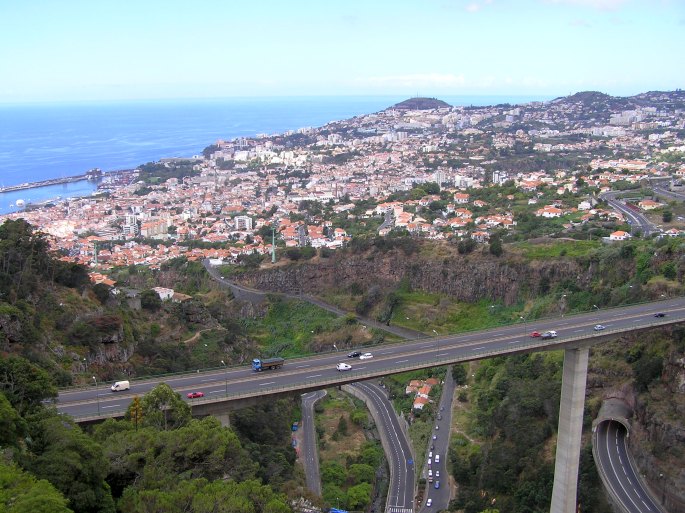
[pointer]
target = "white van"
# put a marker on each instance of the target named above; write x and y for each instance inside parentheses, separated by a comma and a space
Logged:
(120, 385)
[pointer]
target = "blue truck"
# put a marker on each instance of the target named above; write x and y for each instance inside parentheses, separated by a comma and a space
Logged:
(268, 363)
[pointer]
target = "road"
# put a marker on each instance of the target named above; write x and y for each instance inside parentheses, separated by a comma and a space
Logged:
(318, 371)
(397, 448)
(621, 476)
(636, 219)
(309, 451)
(440, 496)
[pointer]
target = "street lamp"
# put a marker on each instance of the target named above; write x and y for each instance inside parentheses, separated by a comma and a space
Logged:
(522, 318)
(595, 306)
(97, 394)
(335, 347)
(225, 375)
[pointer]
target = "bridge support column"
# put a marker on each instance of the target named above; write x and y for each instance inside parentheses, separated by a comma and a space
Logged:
(223, 418)
(564, 493)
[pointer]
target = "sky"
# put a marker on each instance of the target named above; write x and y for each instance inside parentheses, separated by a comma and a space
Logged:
(85, 50)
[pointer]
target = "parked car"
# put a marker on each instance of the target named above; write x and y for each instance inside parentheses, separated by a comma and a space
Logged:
(536, 334)
(437, 427)
(599, 327)
(437, 458)
(660, 314)
(429, 503)
(437, 473)
(354, 354)
(435, 437)
(437, 485)
(195, 395)
(343, 367)
(365, 356)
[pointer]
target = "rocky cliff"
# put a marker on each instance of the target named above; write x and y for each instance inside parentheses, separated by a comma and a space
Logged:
(464, 278)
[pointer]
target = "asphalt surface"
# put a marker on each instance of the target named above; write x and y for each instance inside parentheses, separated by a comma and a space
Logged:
(309, 450)
(440, 496)
(621, 476)
(397, 448)
(319, 371)
(636, 219)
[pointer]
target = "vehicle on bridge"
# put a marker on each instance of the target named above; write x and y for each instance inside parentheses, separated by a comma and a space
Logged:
(354, 354)
(365, 356)
(195, 395)
(660, 314)
(343, 367)
(118, 386)
(549, 334)
(599, 327)
(268, 363)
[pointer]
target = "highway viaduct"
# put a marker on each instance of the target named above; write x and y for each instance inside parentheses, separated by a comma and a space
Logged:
(233, 387)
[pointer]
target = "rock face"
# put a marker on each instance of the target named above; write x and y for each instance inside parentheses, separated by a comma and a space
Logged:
(464, 278)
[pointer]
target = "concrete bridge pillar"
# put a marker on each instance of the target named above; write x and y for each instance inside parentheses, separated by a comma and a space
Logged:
(223, 418)
(564, 493)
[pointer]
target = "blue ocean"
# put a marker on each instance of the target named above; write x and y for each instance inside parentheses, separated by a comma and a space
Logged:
(44, 141)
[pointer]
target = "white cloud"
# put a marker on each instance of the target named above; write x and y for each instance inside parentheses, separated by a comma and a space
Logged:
(472, 7)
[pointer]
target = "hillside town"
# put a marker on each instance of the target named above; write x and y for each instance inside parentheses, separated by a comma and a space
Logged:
(437, 172)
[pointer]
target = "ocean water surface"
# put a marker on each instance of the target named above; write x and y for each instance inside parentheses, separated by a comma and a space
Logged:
(44, 141)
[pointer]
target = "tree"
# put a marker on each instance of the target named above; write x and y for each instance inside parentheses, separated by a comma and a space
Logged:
(163, 408)
(359, 496)
(362, 473)
(667, 216)
(20, 492)
(61, 453)
(466, 246)
(149, 300)
(24, 384)
(12, 425)
(333, 472)
(496, 246)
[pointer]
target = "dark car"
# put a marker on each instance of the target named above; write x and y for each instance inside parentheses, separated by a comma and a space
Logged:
(195, 395)
(354, 354)
(437, 485)
(660, 314)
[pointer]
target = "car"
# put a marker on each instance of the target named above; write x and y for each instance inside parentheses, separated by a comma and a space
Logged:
(599, 327)
(432, 447)
(354, 354)
(442, 408)
(536, 334)
(195, 395)
(435, 437)
(365, 356)
(429, 503)
(430, 454)
(437, 427)
(660, 314)
(549, 334)
(437, 458)
(430, 461)
(343, 367)
(439, 417)
(437, 473)
(437, 485)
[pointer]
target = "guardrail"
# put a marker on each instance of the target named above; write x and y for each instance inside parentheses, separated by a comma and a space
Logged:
(156, 377)
(531, 345)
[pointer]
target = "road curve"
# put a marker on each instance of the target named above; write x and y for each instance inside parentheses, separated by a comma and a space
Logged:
(636, 219)
(309, 451)
(618, 472)
(395, 444)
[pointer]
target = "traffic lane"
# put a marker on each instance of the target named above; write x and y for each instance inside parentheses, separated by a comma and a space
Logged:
(441, 496)
(401, 489)
(242, 380)
(613, 455)
(309, 449)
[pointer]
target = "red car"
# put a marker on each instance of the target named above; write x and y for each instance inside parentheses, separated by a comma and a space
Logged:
(194, 395)
(536, 334)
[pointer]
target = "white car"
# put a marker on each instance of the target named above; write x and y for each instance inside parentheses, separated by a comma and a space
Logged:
(365, 356)
(429, 503)
(437, 473)
(343, 367)
(599, 327)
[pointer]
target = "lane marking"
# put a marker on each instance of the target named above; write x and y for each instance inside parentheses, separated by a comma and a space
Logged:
(401, 361)
(113, 406)
(269, 383)
(302, 366)
(313, 376)
(478, 348)
(215, 391)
